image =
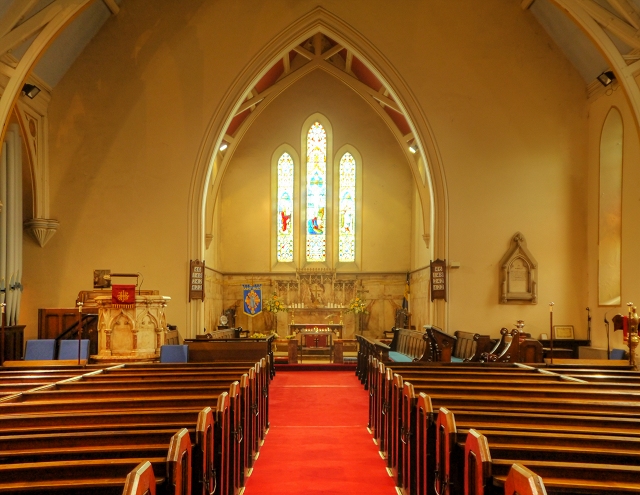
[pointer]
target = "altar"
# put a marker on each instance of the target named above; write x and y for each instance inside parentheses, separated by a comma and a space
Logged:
(306, 328)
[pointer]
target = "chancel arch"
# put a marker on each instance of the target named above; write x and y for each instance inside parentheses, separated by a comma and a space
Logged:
(321, 41)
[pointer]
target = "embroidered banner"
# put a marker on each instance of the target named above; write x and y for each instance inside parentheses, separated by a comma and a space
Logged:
(123, 294)
(252, 299)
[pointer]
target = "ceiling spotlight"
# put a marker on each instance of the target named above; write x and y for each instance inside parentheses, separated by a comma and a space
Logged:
(413, 147)
(223, 146)
(606, 78)
(30, 90)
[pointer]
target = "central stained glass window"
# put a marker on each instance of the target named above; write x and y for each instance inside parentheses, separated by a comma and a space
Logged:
(316, 193)
(347, 206)
(284, 220)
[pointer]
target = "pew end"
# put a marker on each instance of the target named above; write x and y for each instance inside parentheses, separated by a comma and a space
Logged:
(140, 481)
(179, 463)
(444, 442)
(523, 481)
(477, 464)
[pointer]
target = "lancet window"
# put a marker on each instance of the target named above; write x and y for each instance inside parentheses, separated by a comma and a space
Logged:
(347, 209)
(284, 219)
(316, 193)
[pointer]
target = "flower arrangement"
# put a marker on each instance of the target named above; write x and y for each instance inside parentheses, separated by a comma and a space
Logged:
(273, 304)
(357, 306)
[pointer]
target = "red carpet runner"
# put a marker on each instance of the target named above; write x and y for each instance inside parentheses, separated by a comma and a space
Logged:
(318, 442)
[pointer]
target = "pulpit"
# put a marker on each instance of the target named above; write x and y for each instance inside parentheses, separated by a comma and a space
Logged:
(131, 332)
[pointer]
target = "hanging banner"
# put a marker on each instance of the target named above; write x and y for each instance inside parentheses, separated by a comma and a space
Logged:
(252, 299)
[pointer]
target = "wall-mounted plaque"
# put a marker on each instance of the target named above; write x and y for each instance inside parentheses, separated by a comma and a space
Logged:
(196, 280)
(518, 274)
(439, 279)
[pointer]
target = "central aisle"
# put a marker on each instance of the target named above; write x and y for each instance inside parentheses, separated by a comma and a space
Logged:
(318, 442)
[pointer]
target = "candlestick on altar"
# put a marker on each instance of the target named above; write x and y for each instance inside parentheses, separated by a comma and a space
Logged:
(551, 327)
(2, 337)
(79, 330)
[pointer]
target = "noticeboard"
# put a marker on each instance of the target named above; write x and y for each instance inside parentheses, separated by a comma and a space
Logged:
(196, 280)
(439, 279)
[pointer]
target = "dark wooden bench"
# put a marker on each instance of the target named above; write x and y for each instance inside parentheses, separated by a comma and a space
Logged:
(470, 346)
(102, 476)
(553, 442)
(200, 424)
(145, 385)
(390, 437)
(505, 408)
(580, 465)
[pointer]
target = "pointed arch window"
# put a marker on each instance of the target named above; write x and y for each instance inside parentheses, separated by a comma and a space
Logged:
(316, 245)
(347, 209)
(284, 219)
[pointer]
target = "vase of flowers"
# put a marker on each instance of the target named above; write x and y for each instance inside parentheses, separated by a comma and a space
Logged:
(272, 307)
(358, 307)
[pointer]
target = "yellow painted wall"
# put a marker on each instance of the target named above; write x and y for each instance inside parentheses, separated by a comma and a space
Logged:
(507, 111)
(598, 111)
(245, 209)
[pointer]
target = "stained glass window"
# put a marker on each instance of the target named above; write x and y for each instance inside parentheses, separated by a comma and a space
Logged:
(316, 193)
(347, 206)
(284, 219)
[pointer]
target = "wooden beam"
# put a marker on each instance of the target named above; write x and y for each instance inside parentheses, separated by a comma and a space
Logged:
(628, 11)
(112, 6)
(349, 79)
(408, 137)
(610, 22)
(286, 63)
(14, 14)
(332, 51)
(317, 44)
(304, 52)
(349, 60)
(29, 27)
(526, 4)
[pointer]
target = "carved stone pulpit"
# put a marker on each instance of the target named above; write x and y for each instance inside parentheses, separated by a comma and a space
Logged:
(131, 332)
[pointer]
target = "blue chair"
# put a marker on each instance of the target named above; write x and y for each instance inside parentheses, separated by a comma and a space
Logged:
(617, 354)
(174, 354)
(69, 349)
(40, 350)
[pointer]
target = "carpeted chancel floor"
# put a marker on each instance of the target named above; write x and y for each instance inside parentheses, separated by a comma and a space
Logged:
(318, 442)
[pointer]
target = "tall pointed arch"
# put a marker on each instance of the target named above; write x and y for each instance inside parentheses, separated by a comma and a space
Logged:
(317, 38)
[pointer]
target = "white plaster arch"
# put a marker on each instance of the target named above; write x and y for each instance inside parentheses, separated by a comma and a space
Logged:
(433, 191)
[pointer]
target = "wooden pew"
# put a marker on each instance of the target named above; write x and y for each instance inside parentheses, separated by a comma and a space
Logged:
(236, 464)
(140, 481)
(102, 476)
(522, 481)
(557, 441)
(402, 424)
(116, 432)
(503, 409)
(608, 473)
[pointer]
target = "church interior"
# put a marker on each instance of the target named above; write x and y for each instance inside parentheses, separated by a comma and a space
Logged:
(350, 167)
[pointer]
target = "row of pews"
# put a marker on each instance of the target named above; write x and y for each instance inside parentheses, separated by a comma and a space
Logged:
(434, 345)
(489, 428)
(170, 429)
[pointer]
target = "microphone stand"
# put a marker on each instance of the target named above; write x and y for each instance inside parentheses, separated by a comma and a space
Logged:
(589, 325)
